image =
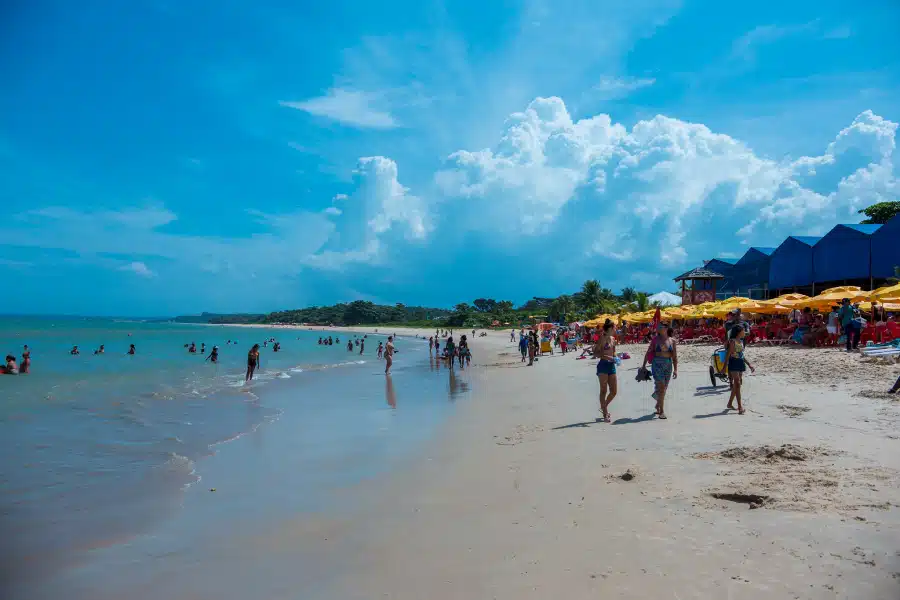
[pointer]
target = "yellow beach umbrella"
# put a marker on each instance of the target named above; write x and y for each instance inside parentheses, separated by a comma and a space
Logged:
(889, 306)
(787, 300)
(888, 291)
(834, 296)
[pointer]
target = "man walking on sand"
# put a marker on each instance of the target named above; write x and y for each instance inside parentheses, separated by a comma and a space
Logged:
(389, 355)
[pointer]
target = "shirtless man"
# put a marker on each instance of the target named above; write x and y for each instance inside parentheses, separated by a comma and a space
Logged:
(389, 355)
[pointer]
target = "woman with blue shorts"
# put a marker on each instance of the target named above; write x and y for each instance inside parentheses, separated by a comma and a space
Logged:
(605, 350)
(737, 364)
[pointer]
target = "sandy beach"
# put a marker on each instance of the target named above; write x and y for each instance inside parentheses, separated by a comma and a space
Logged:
(522, 494)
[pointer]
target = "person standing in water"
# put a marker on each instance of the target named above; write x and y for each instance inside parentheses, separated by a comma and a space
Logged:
(74, 351)
(26, 360)
(737, 364)
(349, 346)
(362, 347)
(605, 350)
(664, 365)
(214, 355)
(131, 350)
(380, 349)
(252, 362)
(389, 355)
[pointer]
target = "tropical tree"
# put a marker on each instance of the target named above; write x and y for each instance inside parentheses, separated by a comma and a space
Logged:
(590, 295)
(881, 213)
(560, 308)
(642, 301)
(485, 305)
(628, 294)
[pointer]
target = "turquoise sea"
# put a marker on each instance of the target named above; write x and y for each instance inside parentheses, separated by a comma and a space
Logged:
(99, 449)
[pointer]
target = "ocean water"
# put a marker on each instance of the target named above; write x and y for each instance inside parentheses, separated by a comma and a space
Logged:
(100, 448)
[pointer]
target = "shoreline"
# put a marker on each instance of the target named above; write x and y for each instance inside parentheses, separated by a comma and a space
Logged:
(518, 494)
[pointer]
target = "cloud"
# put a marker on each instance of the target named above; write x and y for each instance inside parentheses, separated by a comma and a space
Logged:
(618, 87)
(138, 268)
(349, 107)
(381, 212)
(662, 195)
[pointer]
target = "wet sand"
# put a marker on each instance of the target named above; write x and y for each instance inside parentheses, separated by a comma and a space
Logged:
(521, 494)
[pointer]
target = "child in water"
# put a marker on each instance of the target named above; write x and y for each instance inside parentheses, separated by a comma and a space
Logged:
(380, 349)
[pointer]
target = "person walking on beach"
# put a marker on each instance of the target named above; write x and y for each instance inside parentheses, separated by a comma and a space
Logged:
(737, 364)
(463, 347)
(450, 350)
(252, 362)
(389, 355)
(512, 335)
(848, 317)
(523, 347)
(663, 360)
(214, 355)
(605, 349)
(26, 360)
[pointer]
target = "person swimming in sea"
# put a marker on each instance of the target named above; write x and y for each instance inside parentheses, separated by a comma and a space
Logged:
(100, 350)
(193, 348)
(252, 362)
(10, 368)
(131, 350)
(203, 348)
(349, 346)
(214, 355)
(276, 347)
(362, 347)
(74, 351)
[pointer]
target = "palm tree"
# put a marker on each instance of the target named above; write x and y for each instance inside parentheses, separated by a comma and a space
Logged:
(628, 294)
(590, 294)
(642, 300)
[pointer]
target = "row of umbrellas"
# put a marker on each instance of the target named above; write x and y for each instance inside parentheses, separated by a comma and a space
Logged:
(888, 296)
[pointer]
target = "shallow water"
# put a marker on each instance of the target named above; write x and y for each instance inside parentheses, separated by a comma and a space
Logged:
(100, 448)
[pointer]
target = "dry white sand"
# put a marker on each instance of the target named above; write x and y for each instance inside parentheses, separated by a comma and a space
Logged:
(522, 497)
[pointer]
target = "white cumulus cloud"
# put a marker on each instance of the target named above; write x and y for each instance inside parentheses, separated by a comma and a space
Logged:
(661, 195)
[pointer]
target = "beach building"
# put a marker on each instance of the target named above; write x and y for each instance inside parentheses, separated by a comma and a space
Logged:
(750, 275)
(698, 285)
(886, 249)
(844, 256)
(723, 266)
(791, 266)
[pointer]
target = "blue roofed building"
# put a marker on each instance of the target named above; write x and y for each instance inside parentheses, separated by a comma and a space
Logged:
(750, 274)
(843, 256)
(791, 264)
(886, 249)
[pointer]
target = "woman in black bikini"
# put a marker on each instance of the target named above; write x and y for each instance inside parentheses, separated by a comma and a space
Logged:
(252, 361)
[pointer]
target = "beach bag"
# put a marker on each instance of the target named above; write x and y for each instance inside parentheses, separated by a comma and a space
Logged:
(643, 374)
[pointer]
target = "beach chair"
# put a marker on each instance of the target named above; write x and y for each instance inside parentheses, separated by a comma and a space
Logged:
(546, 346)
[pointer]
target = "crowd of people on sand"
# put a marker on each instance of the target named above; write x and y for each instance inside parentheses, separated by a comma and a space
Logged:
(806, 327)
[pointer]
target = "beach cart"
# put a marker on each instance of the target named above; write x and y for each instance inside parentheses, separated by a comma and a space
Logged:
(717, 367)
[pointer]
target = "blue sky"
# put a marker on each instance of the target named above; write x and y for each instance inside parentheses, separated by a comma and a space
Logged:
(171, 157)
